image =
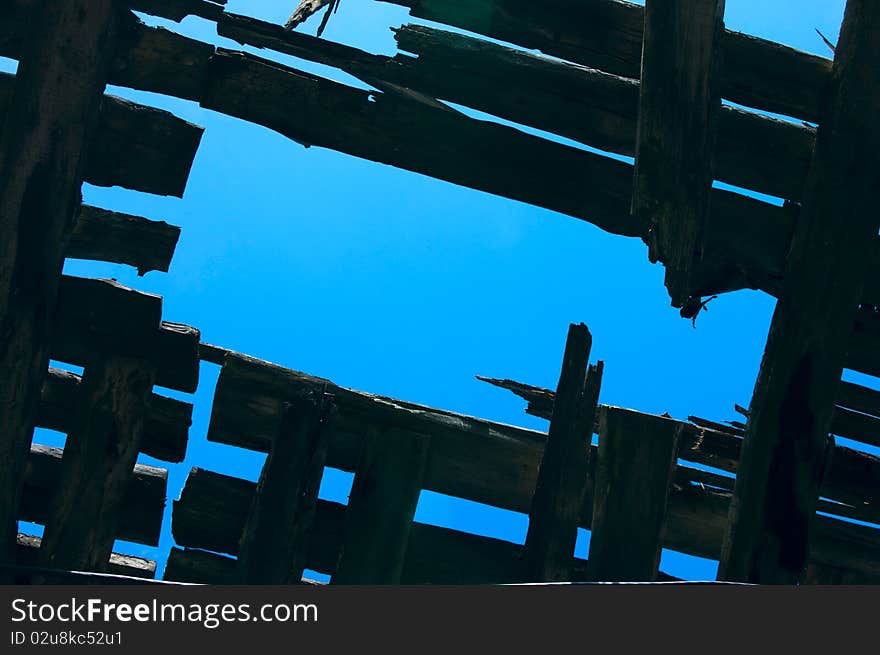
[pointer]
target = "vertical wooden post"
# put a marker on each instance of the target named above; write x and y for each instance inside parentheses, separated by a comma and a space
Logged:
(97, 465)
(679, 106)
(563, 478)
(273, 544)
(381, 507)
(58, 89)
(635, 464)
(782, 462)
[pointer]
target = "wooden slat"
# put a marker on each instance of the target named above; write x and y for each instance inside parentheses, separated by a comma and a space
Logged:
(608, 35)
(782, 462)
(856, 426)
(481, 460)
(28, 552)
(49, 122)
(381, 507)
(863, 352)
(99, 457)
(275, 537)
(679, 107)
(166, 431)
(133, 146)
(123, 239)
(144, 501)
(105, 316)
(859, 398)
(634, 469)
(563, 477)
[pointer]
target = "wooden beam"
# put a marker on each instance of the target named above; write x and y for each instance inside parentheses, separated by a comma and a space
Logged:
(859, 398)
(99, 457)
(103, 315)
(109, 236)
(166, 431)
(381, 507)
(133, 146)
(608, 35)
(213, 508)
(679, 108)
(563, 477)
(49, 123)
(275, 537)
(634, 469)
(783, 458)
(177, 10)
(144, 500)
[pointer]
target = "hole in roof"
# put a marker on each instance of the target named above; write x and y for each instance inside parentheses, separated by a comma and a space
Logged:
(688, 567)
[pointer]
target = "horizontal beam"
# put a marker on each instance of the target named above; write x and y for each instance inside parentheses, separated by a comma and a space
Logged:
(108, 236)
(143, 507)
(476, 459)
(167, 428)
(103, 315)
(607, 35)
(127, 565)
(136, 147)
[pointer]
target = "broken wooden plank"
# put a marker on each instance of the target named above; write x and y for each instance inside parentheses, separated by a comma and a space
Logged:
(109, 236)
(275, 537)
(144, 501)
(608, 35)
(105, 316)
(49, 122)
(99, 457)
(381, 507)
(783, 458)
(167, 423)
(133, 146)
(679, 106)
(634, 469)
(563, 477)
(592, 107)
(28, 551)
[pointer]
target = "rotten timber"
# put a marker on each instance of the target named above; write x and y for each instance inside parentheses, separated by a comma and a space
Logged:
(48, 124)
(634, 471)
(381, 507)
(166, 431)
(679, 108)
(498, 464)
(563, 477)
(105, 316)
(608, 35)
(109, 236)
(275, 538)
(783, 457)
(143, 507)
(133, 146)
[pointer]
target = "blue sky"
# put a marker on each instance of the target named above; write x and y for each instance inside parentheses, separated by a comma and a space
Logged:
(394, 283)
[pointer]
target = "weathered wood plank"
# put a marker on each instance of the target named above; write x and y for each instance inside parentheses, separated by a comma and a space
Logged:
(97, 465)
(608, 35)
(679, 108)
(177, 10)
(49, 122)
(856, 426)
(166, 431)
(563, 477)
(275, 537)
(133, 146)
(851, 477)
(27, 554)
(105, 316)
(783, 458)
(634, 469)
(863, 351)
(381, 507)
(123, 239)
(144, 501)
